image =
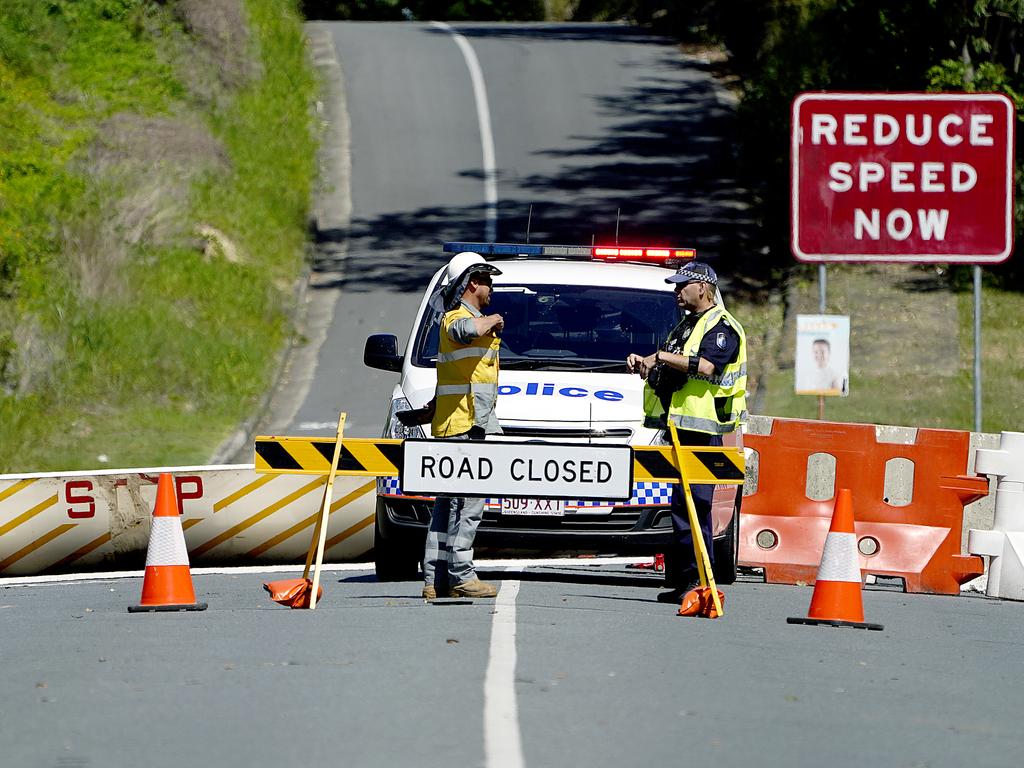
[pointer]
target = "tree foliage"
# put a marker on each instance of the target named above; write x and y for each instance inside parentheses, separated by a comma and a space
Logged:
(779, 48)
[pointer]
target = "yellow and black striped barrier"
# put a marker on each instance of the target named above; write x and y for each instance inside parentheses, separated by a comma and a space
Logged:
(725, 466)
(381, 457)
(364, 456)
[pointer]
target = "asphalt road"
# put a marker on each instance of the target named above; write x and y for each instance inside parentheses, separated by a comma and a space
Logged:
(580, 667)
(587, 123)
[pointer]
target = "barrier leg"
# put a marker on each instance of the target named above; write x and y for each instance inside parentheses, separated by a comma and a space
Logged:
(320, 532)
(700, 552)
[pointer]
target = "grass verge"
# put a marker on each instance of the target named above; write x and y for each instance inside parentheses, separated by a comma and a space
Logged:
(134, 332)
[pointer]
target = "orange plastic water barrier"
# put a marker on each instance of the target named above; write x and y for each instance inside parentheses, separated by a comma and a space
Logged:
(783, 531)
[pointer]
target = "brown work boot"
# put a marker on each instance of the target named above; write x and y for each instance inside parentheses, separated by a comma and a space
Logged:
(431, 593)
(474, 588)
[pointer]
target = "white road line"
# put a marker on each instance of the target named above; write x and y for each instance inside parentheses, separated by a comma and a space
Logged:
(503, 747)
(483, 114)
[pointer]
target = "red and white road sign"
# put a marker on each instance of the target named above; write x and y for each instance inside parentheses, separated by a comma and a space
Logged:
(902, 177)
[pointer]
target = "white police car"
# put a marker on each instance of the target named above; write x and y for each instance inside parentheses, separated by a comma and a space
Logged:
(572, 315)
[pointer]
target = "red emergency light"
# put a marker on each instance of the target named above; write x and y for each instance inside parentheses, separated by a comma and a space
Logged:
(649, 255)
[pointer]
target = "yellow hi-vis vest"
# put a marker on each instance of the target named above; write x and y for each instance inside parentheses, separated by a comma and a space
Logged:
(712, 404)
(462, 370)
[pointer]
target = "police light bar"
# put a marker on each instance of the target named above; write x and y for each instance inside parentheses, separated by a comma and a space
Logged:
(652, 255)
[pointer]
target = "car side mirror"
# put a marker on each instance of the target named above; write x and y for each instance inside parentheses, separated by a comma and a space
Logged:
(381, 351)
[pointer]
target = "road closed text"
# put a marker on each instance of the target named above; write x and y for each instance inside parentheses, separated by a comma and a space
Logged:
(902, 175)
(534, 470)
(493, 468)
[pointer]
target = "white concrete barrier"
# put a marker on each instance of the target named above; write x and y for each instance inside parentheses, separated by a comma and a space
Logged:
(59, 522)
(1004, 544)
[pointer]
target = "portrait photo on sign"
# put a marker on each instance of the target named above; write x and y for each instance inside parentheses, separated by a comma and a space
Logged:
(822, 355)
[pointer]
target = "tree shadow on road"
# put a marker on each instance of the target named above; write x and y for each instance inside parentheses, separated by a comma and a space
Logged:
(664, 173)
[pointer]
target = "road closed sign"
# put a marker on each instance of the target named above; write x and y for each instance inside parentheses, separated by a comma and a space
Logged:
(497, 468)
(902, 177)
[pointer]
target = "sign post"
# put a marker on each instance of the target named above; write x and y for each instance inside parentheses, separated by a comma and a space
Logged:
(908, 177)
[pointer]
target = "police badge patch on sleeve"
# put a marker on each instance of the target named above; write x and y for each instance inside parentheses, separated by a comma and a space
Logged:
(720, 341)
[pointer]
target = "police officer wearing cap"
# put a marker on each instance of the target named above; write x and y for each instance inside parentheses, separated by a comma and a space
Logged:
(697, 381)
(463, 409)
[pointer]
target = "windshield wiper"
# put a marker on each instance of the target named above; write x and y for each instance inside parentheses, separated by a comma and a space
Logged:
(535, 363)
(606, 366)
(555, 363)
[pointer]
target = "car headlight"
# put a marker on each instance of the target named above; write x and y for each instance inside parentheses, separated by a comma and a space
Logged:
(395, 429)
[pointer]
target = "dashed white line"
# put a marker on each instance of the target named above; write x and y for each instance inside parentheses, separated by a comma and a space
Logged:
(483, 114)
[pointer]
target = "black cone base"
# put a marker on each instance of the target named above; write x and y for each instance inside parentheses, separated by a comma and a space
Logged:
(835, 623)
(154, 608)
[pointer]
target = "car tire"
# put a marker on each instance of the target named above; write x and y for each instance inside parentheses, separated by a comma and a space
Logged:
(727, 548)
(393, 560)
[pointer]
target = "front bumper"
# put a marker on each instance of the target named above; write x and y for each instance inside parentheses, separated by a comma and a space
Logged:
(641, 525)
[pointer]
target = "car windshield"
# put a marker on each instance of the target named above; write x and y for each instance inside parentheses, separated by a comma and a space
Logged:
(568, 327)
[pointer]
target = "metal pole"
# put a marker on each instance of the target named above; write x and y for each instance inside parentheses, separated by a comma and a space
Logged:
(822, 283)
(977, 348)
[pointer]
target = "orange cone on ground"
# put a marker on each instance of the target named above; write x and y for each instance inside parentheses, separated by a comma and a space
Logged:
(836, 601)
(167, 585)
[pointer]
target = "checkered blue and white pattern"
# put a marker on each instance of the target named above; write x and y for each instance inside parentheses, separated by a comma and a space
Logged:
(644, 495)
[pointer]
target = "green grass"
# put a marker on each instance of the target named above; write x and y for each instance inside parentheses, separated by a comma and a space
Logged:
(921, 399)
(174, 349)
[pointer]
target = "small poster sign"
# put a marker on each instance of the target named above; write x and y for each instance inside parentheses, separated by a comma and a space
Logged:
(823, 355)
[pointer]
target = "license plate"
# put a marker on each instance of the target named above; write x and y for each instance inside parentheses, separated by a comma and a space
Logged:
(516, 506)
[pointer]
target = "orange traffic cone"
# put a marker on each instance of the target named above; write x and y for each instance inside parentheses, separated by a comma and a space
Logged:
(167, 585)
(837, 600)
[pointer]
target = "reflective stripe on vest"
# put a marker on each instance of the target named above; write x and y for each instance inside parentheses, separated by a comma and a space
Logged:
(467, 352)
(475, 388)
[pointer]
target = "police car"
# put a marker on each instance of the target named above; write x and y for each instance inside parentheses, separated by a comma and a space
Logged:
(572, 315)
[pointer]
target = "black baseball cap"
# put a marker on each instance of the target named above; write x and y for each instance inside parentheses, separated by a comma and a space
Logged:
(694, 272)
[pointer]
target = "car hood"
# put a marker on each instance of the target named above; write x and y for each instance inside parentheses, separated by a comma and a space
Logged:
(556, 396)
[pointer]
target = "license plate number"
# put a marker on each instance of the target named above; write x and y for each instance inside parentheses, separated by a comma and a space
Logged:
(516, 506)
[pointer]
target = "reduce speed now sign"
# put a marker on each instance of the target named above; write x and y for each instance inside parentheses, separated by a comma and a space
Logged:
(902, 177)
(497, 468)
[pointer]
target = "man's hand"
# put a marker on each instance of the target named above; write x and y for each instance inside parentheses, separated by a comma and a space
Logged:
(489, 324)
(418, 416)
(639, 364)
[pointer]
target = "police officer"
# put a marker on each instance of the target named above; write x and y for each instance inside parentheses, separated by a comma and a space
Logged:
(463, 409)
(697, 381)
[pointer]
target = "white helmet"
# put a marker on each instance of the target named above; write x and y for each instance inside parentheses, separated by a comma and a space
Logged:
(462, 264)
(458, 272)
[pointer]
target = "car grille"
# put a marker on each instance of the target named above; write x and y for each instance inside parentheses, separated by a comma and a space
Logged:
(618, 434)
(619, 519)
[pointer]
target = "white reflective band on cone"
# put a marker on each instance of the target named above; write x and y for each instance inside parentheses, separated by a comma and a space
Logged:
(839, 558)
(166, 543)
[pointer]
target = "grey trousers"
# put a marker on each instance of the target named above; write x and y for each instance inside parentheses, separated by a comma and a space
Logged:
(448, 556)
